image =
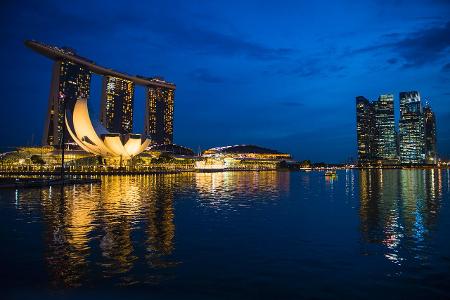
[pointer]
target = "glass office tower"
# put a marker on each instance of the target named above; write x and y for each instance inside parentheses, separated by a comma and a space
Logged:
(365, 130)
(412, 135)
(430, 135)
(385, 140)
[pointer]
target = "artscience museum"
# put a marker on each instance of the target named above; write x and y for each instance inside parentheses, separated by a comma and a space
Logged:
(94, 138)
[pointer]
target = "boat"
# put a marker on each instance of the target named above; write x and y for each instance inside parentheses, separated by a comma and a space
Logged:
(330, 173)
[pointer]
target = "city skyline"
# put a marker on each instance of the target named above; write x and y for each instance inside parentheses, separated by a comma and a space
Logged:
(223, 65)
(382, 141)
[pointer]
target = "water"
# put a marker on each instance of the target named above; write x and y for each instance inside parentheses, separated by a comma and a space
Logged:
(232, 235)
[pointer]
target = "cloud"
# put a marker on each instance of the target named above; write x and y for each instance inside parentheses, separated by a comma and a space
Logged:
(161, 27)
(205, 75)
(446, 67)
(392, 61)
(424, 46)
(205, 41)
(416, 49)
(309, 68)
(441, 2)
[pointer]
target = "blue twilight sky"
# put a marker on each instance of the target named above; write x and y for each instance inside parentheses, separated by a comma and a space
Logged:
(281, 74)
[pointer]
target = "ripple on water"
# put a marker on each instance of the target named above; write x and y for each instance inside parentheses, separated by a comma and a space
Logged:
(290, 231)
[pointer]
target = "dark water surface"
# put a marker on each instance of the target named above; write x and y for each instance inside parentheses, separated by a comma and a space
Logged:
(273, 235)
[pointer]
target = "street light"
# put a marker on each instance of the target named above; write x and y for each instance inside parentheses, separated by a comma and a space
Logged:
(62, 98)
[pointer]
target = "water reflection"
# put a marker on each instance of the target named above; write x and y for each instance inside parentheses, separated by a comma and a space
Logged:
(350, 183)
(218, 188)
(106, 232)
(123, 231)
(102, 223)
(398, 209)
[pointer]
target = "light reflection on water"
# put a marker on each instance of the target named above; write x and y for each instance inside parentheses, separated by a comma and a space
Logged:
(219, 189)
(160, 230)
(399, 209)
(106, 214)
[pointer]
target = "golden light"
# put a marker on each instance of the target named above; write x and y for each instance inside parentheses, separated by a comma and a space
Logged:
(98, 140)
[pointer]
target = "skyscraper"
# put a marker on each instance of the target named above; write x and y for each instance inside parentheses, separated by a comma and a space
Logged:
(378, 140)
(71, 78)
(412, 138)
(116, 112)
(159, 114)
(430, 135)
(365, 130)
(69, 82)
(385, 138)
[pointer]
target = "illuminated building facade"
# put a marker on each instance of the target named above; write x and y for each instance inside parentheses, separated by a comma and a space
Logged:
(69, 82)
(378, 141)
(430, 135)
(95, 139)
(241, 157)
(245, 151)
(116, 112)
(385, 139)
(365, 130)
(71, 77)
(159, 114)
(412, 135)
(375, 128)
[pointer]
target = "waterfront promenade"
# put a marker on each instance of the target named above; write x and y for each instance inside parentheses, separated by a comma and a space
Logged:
(16, 170)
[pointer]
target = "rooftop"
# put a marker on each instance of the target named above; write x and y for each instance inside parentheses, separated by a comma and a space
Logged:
(242, 149)
(172, 148)
(57, 53)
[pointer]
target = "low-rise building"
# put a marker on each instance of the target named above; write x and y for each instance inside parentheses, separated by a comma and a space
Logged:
(241, 157)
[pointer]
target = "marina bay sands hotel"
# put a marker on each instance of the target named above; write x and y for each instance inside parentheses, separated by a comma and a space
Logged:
(71, 80)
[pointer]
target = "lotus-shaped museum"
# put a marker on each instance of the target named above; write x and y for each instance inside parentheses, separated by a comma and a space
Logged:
(96, 139)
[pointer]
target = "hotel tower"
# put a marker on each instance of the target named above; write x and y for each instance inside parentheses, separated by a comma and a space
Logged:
(71, 79)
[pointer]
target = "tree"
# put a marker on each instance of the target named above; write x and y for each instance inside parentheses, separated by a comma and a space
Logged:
(305, 163)
(163, 158)
(36, 159)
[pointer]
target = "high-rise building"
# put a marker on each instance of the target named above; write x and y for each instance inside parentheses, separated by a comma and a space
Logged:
(385, 138)
(378, 140)
(70, 81)
(412, 138)
(116, 112)
(430, 135)
(365, 130)
(159, 114)
(71, 78)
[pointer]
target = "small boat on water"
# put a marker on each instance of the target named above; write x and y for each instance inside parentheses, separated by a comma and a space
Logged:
(330, 173)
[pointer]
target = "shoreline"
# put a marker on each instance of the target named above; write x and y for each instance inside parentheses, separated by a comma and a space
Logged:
(40, 183)
(150, 172)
